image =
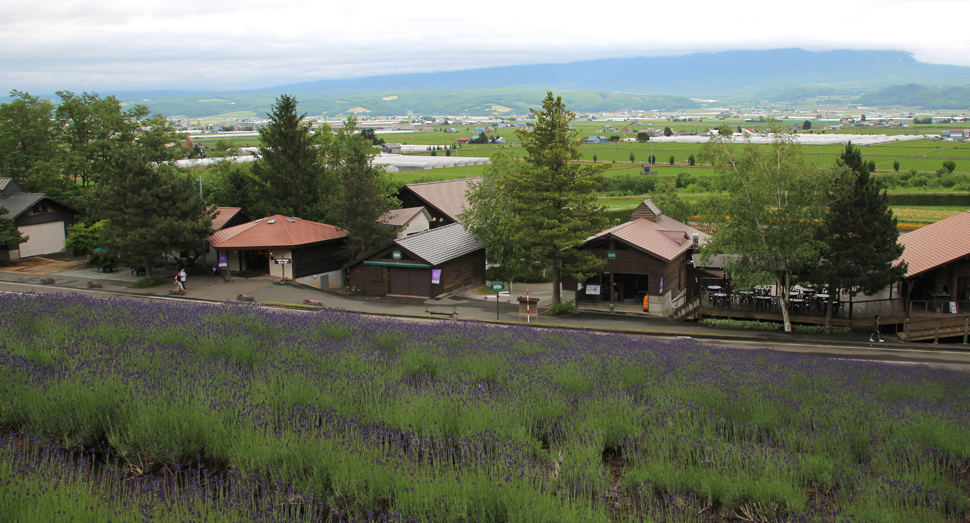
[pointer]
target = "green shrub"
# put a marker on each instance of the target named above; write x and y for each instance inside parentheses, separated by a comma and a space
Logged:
(154, 281)
(770, 326)
(565, 308)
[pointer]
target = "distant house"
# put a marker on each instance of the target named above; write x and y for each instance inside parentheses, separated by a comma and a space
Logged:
(451, 130)
(499, 140)
(443, 200)
(421, 266)
(284, 247)
(489, 130)
(463, 140)
(480, 129)
(410, 221)
(596, 139)
(391, 148)
(44, 220)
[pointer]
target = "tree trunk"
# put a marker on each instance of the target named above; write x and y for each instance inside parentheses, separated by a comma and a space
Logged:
(556, 291)
(148, 268)
(784, 303)
(828, 311)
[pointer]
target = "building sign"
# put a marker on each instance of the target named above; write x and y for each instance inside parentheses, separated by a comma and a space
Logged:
(282, 261)
(611, 255)
(223, 259)
(953, 307)
(498, 286)
(397, 255)
(593, 289)
(435, 276)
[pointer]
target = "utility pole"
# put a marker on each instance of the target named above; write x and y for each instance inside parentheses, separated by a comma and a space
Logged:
(205, 263)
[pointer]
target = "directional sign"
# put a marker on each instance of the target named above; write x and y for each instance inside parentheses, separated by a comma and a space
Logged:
(611, 255)
(282, 261)
(498, 286)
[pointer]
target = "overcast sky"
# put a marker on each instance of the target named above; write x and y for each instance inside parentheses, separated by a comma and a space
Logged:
(106, 45)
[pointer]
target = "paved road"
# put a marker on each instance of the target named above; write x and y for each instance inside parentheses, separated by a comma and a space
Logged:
(214, 290)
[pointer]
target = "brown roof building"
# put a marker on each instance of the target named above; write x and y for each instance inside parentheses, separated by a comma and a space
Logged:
(938, 258)
(229, 217)
(284, 247)
(643, 258)
(444, 200)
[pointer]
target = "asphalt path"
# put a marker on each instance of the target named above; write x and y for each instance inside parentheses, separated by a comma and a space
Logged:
(949, 356)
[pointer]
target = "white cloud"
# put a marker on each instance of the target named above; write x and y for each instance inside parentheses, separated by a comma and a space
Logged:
(118, 44)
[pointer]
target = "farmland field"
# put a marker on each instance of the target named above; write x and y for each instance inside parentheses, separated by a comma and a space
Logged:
(128, 410)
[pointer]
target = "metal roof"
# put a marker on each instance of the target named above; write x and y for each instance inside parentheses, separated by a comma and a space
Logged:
(936, 244)
(436, 246)
(18, 203)
(650, 237)
(447, 196)
(225, 214)
(275, 231)
(400, 217)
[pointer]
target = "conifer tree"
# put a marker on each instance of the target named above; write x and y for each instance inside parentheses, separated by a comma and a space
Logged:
(152, 209)
(364, 194)
(290, 165)
(552, 199)
(859, 234)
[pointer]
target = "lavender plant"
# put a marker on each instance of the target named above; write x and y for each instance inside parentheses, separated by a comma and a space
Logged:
(328, 416)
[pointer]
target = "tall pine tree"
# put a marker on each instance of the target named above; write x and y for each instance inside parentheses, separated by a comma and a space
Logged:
(290, 165)
(365, 192)
(553, 203)
(859, 234)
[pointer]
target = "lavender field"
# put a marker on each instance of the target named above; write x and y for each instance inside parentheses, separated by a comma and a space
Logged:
(138, 411)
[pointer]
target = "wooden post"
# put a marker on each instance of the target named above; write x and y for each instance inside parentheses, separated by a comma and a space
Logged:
(937, 338)
(907, 329)
(966, 324)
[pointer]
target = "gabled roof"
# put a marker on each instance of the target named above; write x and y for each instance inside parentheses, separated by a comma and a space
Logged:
(8, 182)
(669, 223)
(448, 196)
(649, 237)
(225, 214)
(437, 246)
(275, 231)
(18, 203)
(937, 244)
(400, 217)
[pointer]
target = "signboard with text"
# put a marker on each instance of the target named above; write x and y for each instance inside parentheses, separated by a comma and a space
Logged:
(282, 261)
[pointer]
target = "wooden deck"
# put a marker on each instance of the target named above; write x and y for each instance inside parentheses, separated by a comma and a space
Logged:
(934, 328)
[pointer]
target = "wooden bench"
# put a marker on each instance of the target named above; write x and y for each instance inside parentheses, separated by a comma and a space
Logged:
(453, 314)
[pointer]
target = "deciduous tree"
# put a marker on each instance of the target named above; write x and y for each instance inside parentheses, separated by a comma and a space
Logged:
(767, 205)
(9, 235)
(26, 137)
(489, 218)
(552, 199)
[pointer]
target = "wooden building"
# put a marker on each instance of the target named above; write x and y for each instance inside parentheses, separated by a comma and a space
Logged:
(44, 220)
(647, 256)
(443, 200)
(421, 266)
(938, 258)
(283, 247)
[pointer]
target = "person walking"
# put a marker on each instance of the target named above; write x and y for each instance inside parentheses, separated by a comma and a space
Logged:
(876, 334)
(181, 278)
